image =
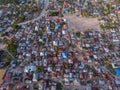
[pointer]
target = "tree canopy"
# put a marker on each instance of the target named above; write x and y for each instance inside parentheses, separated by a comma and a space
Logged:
(10, 1)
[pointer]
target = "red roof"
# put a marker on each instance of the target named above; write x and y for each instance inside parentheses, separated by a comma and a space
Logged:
(118, 11)
(49, 62)
(36, 13)
(75, 60)
(7, 77)
(66, 2)
(55, 59)
(87, 53)
(58, 20)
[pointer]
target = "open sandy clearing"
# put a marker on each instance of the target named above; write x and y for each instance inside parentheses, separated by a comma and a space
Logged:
(82, 23)
(2, 71)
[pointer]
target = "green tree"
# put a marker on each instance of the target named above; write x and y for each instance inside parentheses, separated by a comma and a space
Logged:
(59, 86)
(40, 33)
(39, 68)
(53, 64)
(21, 19)
(78, 34)
(12, 45)
(15, 26)
(41, 43)
(7, 62)
(52, 24)
(9, 1)
(111, 46)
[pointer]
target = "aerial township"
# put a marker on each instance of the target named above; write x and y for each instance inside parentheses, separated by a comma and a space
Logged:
(48, 54)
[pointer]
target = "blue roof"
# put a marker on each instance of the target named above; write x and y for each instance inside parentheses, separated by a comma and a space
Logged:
(102, 70)
(64, 54)
(36, 76)
(66, 11)
(117, 81)
(89, 88)
(1, 29)
(117, 70)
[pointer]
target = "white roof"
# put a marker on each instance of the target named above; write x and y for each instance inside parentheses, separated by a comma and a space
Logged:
(95, 56)
(36, 28)
(28, 55)
(31, 68)
(55, 43)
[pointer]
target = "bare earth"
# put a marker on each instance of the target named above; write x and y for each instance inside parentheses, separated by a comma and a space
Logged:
(82, 23)
(2, 71)
(2, 46)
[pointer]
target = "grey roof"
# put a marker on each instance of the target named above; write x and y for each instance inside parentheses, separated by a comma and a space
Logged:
(1, 29)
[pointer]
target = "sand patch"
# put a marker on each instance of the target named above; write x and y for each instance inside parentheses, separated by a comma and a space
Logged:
(82, 23)
(2, 72)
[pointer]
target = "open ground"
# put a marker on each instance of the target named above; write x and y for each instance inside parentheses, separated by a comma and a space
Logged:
(82, 23)
(2, 71)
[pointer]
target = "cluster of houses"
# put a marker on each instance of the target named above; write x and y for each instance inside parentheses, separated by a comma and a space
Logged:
(10, 13)
(90, 7)
(50, 57)
(45, 55)
(99, 49)
(4, 22)
(42, 51)
(99, 46)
